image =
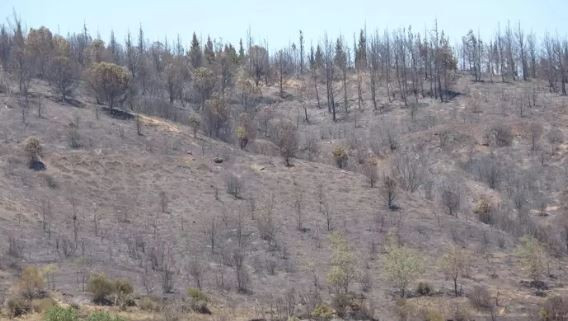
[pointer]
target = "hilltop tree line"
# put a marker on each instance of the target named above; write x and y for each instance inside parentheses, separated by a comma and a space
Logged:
(212, 74)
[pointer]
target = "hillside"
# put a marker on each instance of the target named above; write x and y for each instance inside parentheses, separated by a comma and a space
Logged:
(154, 207)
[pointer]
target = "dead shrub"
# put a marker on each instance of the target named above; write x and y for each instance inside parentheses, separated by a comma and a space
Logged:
(341, 303)
(171, 311)
(424, 289)
(73, 137)
(215, 119)
(311, 146)
(18, 306)
(234, 185)
(50, 181)
(198, 301)
(555, 136)
(480, 298)
(410, 170)
(461, 313)
(499, 136)
(370, 171)
(451, 197)
(554, 309)
(15, 247)
(390, 192)
(42, 305)
(149, 304)
(285, 136)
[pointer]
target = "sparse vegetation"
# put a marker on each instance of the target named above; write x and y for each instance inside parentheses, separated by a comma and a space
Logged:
(499, 136)
(103, 316)
(18, 306)
(340, 156)
(343, 264)
(554, 309)
(61, 314)
(532, 257)
(451, 198)
(456, 264)
(480, 298)
(403, 265)
(370, 171)
(322, 312)
(250, 215)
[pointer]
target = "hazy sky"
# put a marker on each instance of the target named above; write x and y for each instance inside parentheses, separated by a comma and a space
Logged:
(279, 21)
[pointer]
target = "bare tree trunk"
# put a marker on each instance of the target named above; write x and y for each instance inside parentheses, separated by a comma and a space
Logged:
(316, 89)
(345, 91)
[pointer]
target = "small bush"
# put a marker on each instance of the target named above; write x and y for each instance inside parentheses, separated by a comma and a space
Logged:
(234, 185)
(194, 123)
(480, 298)
(74, 137)
(341, 303)
(101, 288)
(242, 136)
(322, 312)
(15, 247)
(500, 136)
(61, 314)
(32, 283)
(51, 182)
(171, 312)
(18, 306)
(432, 315)
(554, 309)
(461, 314)
(341, 157)
(555, 136)
(199, 301)
(107, 292)
(533, 258)
(123, 289)
(424, 289)
(43, 305)
(103, 316)
(33, 148)
(370, 171)
(200, 307)
(149, 304)
(197, 295)
(483, 211)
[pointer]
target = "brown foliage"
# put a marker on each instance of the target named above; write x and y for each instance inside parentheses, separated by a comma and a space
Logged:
(108, 81)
